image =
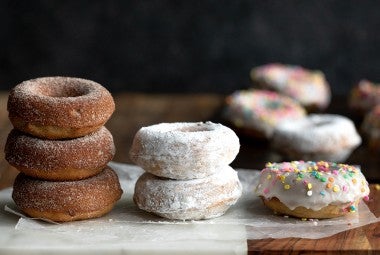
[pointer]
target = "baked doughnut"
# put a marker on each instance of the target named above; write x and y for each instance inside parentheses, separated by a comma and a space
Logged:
(59, 107)
(317, 137)
(308, 87)
(371, 128)
(364, 96)
(312, 189)
(258, 112)
(67, 200)
(60, 160)
(184, 150)
(195, 199)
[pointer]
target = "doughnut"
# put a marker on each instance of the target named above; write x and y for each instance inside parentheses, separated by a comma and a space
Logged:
(308, 87)
(194, 199)
(59, 107)
(256, 112)
(371, 129)
(317, 137)
(60, 160)
(67, 200)
(184, 150)
(312, 189)
(364, 96)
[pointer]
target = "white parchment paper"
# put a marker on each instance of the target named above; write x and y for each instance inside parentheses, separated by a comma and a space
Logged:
(127, 228)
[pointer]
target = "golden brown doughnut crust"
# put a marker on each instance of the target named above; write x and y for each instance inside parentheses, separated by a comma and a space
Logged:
(330, 211)
(60, 160)
(59, 107)
(67, 200)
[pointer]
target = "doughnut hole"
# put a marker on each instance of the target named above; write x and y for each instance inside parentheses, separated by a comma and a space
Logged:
(60, 88)
(193, 129)
(321, 122)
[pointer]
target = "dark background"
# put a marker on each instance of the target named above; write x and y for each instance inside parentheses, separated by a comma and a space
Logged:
(187, 46)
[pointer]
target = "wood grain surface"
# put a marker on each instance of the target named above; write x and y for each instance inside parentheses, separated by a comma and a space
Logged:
(136, 110)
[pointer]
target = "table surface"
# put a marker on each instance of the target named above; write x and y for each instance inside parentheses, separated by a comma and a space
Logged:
(135, 110)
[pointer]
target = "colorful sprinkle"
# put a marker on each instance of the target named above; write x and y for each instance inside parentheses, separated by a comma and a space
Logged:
(352, 208)
(366, 198)
(331, 179)
(336, 188)
(323, 193)
(286, 186)
(269, 177)
(354, 181)
(309, 193)
(309, 185)
(328, 185)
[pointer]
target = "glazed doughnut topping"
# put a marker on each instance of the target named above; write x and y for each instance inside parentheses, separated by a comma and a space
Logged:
(312, 185)
(306, 86)
(261, 109)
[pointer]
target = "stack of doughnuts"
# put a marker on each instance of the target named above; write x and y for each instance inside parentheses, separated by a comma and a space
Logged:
(187, 176)
(61, 147)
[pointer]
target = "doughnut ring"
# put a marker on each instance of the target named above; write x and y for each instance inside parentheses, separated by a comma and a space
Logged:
(60, 160)
(184, 150)
(59, 107)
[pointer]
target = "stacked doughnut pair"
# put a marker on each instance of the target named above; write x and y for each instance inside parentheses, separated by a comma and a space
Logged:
(187, 176)
(61, 148)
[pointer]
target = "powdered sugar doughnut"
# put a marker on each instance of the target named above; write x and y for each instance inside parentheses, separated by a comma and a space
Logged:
(55, 160)
(308, 87)
(67, 200)
(327, 137)
(312, 189)
(195, 199)
(59, 107)
(364, 96)
(258, 112)
(184, 150)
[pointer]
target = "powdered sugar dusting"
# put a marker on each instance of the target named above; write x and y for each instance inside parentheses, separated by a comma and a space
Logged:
(184, 150)
(189, 199)
(317, 133)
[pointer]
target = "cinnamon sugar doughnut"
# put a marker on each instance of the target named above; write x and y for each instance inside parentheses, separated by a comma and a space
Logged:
(194, 199)
(59, 107)
(257, 112)
(312, 189)
(308, 87)
(71, 159)
(184, 150)
(67, 200)
(328, 137)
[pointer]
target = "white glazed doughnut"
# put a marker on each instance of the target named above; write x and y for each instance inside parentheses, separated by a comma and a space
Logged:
(258, 112)
(195, 199)
(312, 189)
(308, 87)
(326, 137)
(184, 150)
